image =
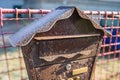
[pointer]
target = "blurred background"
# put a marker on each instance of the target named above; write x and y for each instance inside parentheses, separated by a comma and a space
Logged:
(99, 5)
(82, 4)
(12, 65)
(51, 4)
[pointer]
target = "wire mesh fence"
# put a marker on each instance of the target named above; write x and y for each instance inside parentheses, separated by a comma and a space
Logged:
(12, 65)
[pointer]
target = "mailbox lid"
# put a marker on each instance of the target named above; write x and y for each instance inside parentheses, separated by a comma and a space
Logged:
(24, 36)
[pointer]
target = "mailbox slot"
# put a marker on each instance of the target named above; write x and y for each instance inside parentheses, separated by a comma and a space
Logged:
(65, 37)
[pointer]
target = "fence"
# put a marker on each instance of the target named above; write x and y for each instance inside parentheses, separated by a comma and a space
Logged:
(12, 65)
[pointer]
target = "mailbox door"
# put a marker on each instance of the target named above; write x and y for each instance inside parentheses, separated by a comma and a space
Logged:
(40, 66)
(72, 70)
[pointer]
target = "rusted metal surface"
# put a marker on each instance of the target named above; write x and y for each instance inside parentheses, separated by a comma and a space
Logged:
(71, 44)
(59, 72)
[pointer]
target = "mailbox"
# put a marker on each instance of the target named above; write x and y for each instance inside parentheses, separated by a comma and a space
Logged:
(62, 45)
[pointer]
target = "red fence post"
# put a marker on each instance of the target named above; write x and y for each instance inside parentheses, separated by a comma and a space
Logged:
(1, 16)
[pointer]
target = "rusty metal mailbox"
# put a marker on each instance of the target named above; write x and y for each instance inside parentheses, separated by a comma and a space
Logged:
(62, 45)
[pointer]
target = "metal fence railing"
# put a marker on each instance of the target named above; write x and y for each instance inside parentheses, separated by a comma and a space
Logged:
(12, 65)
